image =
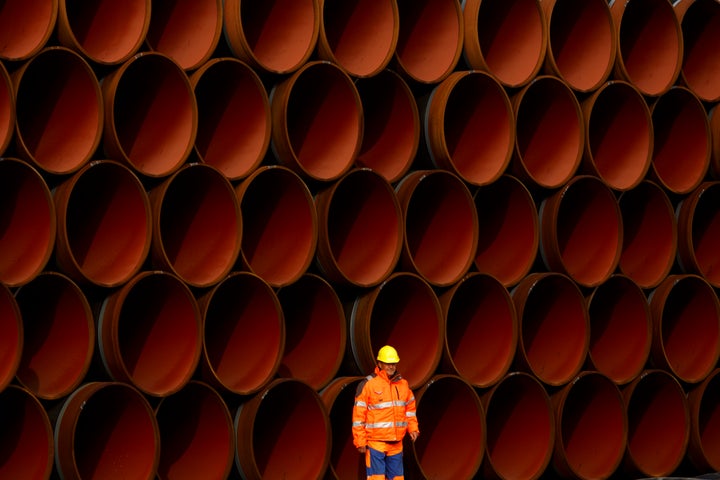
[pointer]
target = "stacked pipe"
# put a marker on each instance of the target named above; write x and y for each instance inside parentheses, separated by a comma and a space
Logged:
(213, 213)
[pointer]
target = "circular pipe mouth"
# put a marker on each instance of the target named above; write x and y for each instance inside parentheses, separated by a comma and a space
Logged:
(650, 44)
(619, 135)
(271, 426)
(276, 36)
(591, 427)
(481, 330)
(104, 224)
(554, 327)
(430, 39)
(550, 132)
(317, 121)
(358, 35)
(27, 213)
(197, 225)
(233, 117)
(339, 397)
(681, 129)
(11, 336)
(441, 226)
(391, 130)
(26, 27)
(700, 24)
(620, 329)
(506, 38)
(26, 439)
(697, 229)
(650, 234)
(383, 316)
(202, 445)
(581, 231)
(243, 333)
(316, 332)
(703, 402)
(520, 428)
(106, 32)
(280, 224)
(508, 230)
(59, 335)
(686, 327)
(581, 42)
(470, 127)
(59, 110)
(447, 409)
(360, 229)
(106, 430)
(187, 31)
(658, 424)
(151, 114)
(149, 333)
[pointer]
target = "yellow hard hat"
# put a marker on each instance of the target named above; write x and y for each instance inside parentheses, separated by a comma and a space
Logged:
(388, 354)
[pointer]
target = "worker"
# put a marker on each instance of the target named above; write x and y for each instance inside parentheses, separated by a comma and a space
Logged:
(383, 413)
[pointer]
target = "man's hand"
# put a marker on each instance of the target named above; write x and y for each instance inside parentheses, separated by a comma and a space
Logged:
(414, 435)
(362, 449)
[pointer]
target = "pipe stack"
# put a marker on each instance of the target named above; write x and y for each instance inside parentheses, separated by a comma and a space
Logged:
(213, 213)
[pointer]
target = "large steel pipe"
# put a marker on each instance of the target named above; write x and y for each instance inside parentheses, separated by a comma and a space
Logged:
(704, 404)
(698, 224)
(481, 330)
(273, 425)
(26, 27)
(11, 336)
(700, 24)
(104, 224)
(8, 114)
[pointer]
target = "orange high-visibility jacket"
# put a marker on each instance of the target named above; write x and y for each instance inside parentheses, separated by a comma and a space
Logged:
(384, 409)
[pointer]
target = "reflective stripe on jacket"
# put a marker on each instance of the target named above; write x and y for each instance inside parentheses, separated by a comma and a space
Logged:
(384, 409)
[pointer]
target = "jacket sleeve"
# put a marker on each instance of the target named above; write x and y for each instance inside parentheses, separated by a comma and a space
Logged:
(411, 413)
(359, 416)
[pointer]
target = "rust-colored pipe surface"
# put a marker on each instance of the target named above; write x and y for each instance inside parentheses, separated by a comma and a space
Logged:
(440, 226)
(8, 115)
(520, 428)
(681, 130)
(452, 419)
(620, 329)
(704, 405)
(149, 333)
(106, 431)
(151, 114)
(280, 224)
(686, 327)
(360, 229)
(591, 427)
(106, 32)
(384, 315)
(581, 231)
(317, 121)
(509, 233)
(700, 24)
(391, 131)
(26, 437)
(550, 134)
(358, 35)
(430, 39)
(197, 225)
(554, 327)
(11, 336)
(469, 127)
(481, 330)
(581, 42)
(104, 224)
(277, 36)
(339, 397)
(316, 331)
(650, 234)
(243, 334)
(619, 135)
(196, 433)
(650, 44)
(658, 424)
(698, 224)
(507, 38)
(283, 432)
(233, 116)
(59, 110)
(26, 27)
(59, 335)
(29, 224)
(186, 30)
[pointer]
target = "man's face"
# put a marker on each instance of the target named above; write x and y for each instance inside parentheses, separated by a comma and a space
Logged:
(388, 368)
